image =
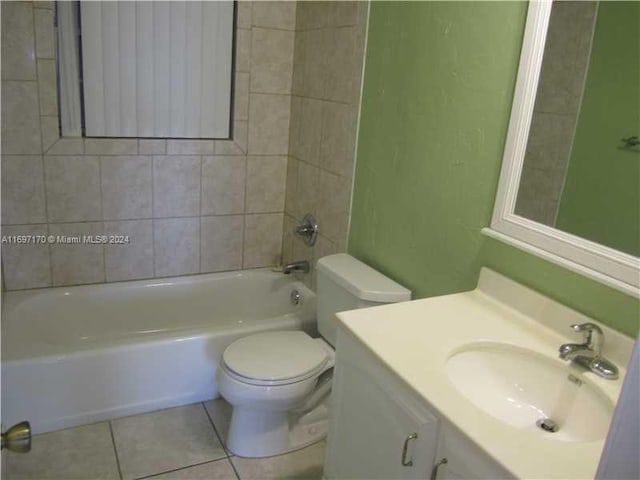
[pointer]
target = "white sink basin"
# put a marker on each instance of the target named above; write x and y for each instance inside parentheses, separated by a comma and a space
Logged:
(524, 389)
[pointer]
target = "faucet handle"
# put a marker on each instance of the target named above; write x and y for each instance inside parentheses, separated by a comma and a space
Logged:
(593, 336)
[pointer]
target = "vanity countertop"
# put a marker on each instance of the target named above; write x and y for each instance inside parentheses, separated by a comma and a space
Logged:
(415, 339)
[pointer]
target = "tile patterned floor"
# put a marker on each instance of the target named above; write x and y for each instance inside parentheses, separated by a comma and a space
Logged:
(182, 443)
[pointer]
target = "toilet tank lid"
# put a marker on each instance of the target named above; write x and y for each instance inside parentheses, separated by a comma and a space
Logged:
(361, 280)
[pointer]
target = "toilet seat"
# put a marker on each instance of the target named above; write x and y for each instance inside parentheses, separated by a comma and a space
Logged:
(275, 358)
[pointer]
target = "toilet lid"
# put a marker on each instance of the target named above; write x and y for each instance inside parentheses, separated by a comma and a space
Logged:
(275, 356)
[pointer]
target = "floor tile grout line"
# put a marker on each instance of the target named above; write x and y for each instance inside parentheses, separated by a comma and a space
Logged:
(115, 450)
(224, 445)
(181, 468)
(218, 436)
(233, 467)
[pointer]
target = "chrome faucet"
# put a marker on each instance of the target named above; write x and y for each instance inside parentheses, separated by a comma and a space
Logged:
(296, 267)
(587, 354)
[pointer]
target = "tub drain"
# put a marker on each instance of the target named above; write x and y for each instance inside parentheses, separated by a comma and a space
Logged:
(547, 425)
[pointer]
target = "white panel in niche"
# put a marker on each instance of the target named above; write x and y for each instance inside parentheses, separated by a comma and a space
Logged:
(159, 69)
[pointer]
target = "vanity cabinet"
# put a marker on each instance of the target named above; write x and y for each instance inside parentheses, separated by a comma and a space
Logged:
(376, 430)
(380, 429)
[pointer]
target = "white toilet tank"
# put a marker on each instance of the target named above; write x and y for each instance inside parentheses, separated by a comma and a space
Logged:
(345, 283)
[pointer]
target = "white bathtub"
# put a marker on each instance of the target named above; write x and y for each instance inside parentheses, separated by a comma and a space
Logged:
(76, 355)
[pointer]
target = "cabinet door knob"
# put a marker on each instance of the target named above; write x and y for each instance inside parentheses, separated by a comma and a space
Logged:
(405, 462)
(434, 470)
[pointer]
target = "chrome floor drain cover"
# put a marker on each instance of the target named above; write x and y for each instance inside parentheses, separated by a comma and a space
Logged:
(547, 425)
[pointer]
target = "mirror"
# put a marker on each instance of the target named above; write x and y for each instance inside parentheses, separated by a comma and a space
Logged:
(570, 182)
(579, 175)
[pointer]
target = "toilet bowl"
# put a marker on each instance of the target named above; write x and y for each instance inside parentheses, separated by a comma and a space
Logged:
(265, 377)
(279, 382)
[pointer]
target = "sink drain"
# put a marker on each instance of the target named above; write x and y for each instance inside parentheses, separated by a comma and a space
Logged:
(547, 425)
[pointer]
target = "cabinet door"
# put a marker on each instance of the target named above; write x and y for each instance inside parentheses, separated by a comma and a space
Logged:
(464, 459)
(372, 418)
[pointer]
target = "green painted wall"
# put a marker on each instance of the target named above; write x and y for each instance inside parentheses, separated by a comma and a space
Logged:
(438, 88)
(601, 198)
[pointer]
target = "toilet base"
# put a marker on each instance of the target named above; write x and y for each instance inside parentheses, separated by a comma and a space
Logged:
(257, 434)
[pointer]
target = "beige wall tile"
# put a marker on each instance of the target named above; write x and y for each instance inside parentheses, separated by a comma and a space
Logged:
(152, 146)
(333, 208)
(269, 124)
(221, 241)
(132, 260)
(536, 200)
(22, 190)
(299, 56)
(223, 185)
(586, 15)
(346, 13)
(127, 186)
(73, 188)
(190, 147)
(262, 240)
(25, 265)
(125, 182)
(45, 41)
(238, 144)
(266, 184)
(341, 243)
(67, 146)
(339, 125)
(550, 141)
(567, 53)
(176, 186)
(322, 248)
(317, 48)
(50, 132)
(107, 146)
(308, 196)
(243, 50)
(244, 14)
(179, 189)
(241, 97)
(271, 61)
(18, 45)
(312, 14)
(295, 118)
(240, 136)
(50, 4)
(302, 251)
(20, 118)
(228, 147)
(74, 264)
(310, 131)
(344, 64)
(81, 452)
(176, 246)
(47, 87)
(291, 191)
(271, 14)
(288, 238)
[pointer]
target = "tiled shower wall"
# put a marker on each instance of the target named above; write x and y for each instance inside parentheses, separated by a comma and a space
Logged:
(187, 206)
(327, 73)
(556, 112)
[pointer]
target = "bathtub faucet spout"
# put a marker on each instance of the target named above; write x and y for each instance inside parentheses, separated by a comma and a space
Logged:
(296, 267)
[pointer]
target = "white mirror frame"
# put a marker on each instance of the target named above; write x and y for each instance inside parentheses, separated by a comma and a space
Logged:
(603, 264)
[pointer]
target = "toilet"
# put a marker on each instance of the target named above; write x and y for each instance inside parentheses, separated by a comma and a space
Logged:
(279, 382)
